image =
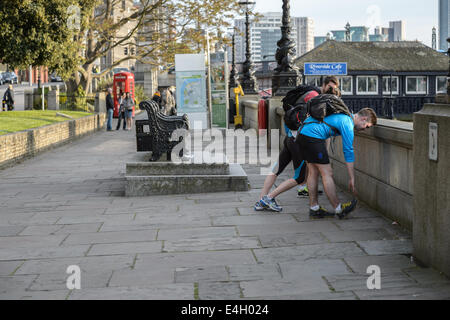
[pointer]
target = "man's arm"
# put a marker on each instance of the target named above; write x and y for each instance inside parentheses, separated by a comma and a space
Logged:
(351, 174)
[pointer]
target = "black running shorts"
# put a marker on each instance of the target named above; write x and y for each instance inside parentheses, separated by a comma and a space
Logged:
(313, 150)
(291, 152)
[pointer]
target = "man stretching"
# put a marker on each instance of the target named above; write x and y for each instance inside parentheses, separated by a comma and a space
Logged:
(312, 142)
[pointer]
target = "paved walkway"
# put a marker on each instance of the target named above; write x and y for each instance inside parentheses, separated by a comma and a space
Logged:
(66, 207)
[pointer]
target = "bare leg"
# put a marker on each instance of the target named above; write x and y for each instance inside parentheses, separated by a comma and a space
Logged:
(285, 186)
(328, 183)
(313, 184)
(268, 183)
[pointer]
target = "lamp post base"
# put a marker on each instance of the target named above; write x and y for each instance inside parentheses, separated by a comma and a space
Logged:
(284, 82)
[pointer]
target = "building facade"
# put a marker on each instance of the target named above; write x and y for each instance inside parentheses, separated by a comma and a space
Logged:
(398, 30)
(394, 78)
(444, 25)
(265, 34)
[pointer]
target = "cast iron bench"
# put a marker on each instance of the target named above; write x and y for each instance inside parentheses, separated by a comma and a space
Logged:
(157, 140)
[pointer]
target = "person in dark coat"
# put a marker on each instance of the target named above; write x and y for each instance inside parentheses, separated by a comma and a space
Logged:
(8, 99)
(109, 109)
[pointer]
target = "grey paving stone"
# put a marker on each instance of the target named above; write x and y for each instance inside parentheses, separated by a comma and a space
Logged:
(322, 296)
(211, 244)
(6, 231)
(387, 247)
(142, 278)
(15, 283)
(414, 292)
(35, 295)
(58, 281)
(8, 267)
(193, 259)
(40, 230)
(252, 220)
(125, 248)
(247, 272)
(293, 269)
(387, 264)
(45, 252)
(362, 223)
(285, 228)
(291, 239)
(117, 219)
(353, 282)
(196, 233)
(178, 291)
(86, 264)
(79, 228)
(306, 252)
(302, 285)
(358, 235)
(201, 274)
(158, 222)
(110, 237)
(219, 290)
(30, 241)
(427, 275)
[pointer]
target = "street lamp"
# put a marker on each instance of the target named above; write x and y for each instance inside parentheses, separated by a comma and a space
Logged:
(249, 84)
(286, 76)
(234, 79)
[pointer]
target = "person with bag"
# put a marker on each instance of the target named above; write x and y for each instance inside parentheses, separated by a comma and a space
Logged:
(121, 112)
(290, 152)
(128, 109)
(8, 99)
(330, 117)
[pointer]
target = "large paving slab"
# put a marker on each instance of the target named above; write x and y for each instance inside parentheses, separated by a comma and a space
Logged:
(67, 207)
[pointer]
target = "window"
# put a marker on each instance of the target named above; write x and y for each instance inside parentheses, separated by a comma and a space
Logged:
(346, 85)
(416, 85)
(313, 81)
(441, 84)
(394, 84)
(367, 85)
(125, 51)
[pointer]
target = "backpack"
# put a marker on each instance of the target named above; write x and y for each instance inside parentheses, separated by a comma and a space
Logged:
(294, 117)
(291, 98)
(325, 105)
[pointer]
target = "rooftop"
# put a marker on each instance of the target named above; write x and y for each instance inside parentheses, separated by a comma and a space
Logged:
(404, 56)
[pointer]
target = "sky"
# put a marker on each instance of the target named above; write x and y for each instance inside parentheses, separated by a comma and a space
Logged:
(420, 16)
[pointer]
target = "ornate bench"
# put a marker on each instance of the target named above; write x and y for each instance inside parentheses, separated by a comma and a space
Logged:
(157, 140)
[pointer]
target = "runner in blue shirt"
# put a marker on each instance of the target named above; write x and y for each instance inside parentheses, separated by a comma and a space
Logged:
(312, 139)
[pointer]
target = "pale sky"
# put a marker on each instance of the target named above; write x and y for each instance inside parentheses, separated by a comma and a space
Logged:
(420, 15)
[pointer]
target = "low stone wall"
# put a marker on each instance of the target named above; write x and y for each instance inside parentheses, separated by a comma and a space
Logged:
(15, 147)
(249, 109)
(383, 169)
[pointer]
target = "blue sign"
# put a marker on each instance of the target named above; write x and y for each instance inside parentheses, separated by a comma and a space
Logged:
(325, 69)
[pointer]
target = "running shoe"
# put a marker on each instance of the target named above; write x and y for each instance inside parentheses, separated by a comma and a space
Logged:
(271, 204)
(305, 193)
(320, 214)
(259, 206)
(347, 208)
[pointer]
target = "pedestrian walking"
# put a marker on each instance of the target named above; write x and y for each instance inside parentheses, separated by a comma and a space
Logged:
(109, 109)
(128, 108)
(121, 112)
(8, 99)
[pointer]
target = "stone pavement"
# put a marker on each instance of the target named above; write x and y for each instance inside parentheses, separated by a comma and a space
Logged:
(66, 207)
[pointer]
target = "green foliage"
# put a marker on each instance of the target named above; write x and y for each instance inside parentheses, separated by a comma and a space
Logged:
(139, 95)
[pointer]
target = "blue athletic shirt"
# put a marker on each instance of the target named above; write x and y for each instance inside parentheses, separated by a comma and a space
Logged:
(341, 122)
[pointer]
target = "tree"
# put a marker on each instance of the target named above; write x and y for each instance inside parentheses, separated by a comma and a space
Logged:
(39, 32)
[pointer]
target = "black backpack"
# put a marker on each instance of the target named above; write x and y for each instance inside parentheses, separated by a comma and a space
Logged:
(325, 105)
(292, 97)
(294, 117)
(294, 106)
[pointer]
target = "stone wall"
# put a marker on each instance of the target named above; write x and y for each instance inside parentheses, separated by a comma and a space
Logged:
(431, 236)
(248, 107)
(383, 169)
(15, 147)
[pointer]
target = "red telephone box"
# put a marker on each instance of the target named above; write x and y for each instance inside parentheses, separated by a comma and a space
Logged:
(123, 82)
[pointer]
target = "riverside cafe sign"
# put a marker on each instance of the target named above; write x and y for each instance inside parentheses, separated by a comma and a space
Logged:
(325, 69)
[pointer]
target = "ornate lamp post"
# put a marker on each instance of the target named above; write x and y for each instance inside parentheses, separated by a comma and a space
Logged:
(248, 81)
(286, 75)
(234, 79)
